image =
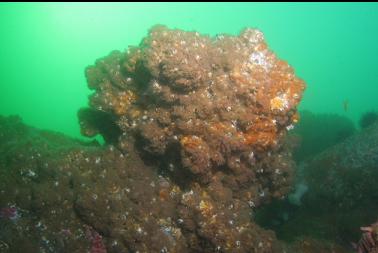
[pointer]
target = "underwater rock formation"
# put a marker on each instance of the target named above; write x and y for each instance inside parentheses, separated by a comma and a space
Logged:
(368, 118)
(208, 110)
(62, 195)
(342, 192)
(194, 128)
(36, 190)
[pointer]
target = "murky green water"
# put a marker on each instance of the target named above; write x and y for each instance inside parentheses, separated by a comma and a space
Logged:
(45, 48)
(333, 47)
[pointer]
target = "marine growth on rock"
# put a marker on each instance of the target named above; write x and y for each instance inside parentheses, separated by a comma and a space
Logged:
(210, 113)
(194, 127)
(215, 108)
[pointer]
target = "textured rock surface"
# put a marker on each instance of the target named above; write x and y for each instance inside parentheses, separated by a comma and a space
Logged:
(194, 129)
(61, 195)
(207, 109)
(342, 183)
(340, 197)
(36, 179)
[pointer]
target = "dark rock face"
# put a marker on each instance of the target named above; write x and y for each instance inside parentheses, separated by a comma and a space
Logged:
(342, 183)
(340, 198)
(367, 119)
(57, 195)
(194, 129)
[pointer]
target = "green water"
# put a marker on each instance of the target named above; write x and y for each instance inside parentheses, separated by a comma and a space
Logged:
(45, 48)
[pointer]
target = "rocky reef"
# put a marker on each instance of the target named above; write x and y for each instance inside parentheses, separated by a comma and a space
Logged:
(342, 185)
(205, 110)
(194, 129)
(339, 199)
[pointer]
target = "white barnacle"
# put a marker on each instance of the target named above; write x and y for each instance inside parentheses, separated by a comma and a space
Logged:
(31, 173)
(98, 160)
(251, 204)
(254, 36)
(164, 250)
(259, 58)
(290, 127)
(39, 224)
(219, 37)
(238, 244)
(186, 196)
(262, 194)
(156, 86)
(171, 167)
(251, 158)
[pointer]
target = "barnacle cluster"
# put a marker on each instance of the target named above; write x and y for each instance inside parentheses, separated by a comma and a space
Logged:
(222, 104)
(210, 113)
(194, 128)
